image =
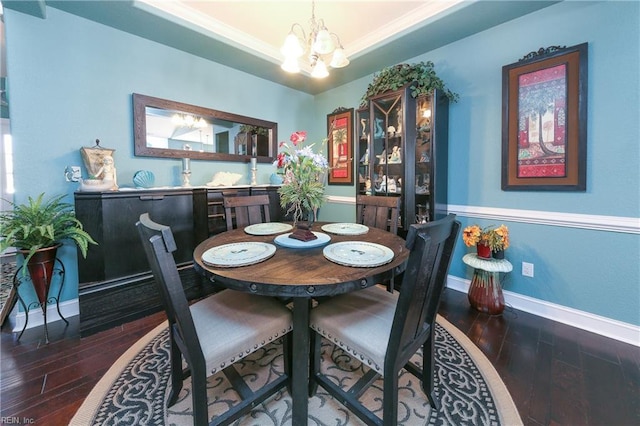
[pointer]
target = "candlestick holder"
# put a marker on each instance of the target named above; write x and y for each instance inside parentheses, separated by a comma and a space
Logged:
(186, 172)
(254, 171)
(186, 178)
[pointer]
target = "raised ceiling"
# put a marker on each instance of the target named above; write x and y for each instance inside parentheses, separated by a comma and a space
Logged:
(247, 35)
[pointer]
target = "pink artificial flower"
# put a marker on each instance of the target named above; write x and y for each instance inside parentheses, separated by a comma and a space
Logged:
(281, 158)
(297, 137)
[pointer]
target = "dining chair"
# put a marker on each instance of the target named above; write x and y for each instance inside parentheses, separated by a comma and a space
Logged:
(379, 212)
(213, 333)
(246, 210)
(384, 330)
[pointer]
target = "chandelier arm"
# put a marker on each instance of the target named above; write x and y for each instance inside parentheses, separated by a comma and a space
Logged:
(304, 35)
(338, 39)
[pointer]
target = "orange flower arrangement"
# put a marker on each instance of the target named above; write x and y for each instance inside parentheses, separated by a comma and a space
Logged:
(496, 238)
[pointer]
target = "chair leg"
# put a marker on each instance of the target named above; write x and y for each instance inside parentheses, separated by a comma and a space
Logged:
(177, 376)
(199, 398)
(390, 400)
(287, 348)
(428, 370)
(314, 362)
(287, 351)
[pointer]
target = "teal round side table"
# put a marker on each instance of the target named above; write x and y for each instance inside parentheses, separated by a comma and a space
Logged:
(485, 291)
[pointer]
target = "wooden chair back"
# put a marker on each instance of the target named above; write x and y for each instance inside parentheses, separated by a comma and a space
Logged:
(246, 210)
(206, 325)
(431, 246)
(159, 245)
(359, 322)
(378, 211)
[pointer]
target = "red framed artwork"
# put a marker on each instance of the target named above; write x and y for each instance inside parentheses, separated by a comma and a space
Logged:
(340, 146)
(544, 120)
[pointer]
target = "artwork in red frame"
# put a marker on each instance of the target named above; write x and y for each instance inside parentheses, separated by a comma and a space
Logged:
(544, 121)
(340, 146)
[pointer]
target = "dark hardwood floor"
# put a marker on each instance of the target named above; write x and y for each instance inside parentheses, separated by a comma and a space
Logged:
(557, 375)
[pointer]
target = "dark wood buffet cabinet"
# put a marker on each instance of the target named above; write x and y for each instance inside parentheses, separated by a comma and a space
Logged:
(115, 282)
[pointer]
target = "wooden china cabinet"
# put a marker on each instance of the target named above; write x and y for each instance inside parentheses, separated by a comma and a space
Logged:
(403, 152)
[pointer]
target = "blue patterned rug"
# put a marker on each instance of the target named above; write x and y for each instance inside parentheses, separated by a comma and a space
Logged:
(134, 391)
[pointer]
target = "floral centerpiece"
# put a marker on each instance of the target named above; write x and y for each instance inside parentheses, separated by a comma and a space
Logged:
(302, 190)
(487, 240)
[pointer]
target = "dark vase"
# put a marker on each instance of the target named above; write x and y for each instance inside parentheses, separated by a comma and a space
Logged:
(40, 268)
(303, 230)
(485, 292)
(497, 254)
(483, 251)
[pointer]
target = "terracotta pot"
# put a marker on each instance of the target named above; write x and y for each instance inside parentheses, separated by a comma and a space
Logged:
(483, 251)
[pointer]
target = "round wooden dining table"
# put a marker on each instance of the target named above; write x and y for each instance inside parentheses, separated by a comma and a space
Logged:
(301, 274)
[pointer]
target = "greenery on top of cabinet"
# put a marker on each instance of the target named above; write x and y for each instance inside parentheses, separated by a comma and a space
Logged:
(422, 77)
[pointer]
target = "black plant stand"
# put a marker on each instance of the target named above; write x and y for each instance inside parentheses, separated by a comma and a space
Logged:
(19, 279)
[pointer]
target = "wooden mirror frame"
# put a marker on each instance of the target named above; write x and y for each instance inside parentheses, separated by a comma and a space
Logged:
(141, 102)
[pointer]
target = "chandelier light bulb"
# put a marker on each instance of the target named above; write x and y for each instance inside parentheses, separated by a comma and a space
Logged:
(319, 70)
(201, 123)
(291, 46)
(290, 64)
(339, 59)
(323, 43)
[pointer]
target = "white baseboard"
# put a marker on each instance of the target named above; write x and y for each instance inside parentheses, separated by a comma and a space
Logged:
(607, 327)
(69, 308)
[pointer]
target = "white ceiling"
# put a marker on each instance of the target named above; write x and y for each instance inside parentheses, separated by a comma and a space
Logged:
(247, 34)
(261, 26)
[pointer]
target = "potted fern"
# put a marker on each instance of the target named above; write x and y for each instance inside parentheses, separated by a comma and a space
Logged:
(37, 229)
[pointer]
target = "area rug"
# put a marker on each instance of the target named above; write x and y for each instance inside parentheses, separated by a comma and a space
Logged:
(7, 292)
(135, 389)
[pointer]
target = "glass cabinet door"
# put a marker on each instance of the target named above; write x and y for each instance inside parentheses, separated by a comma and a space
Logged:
(363, 135)
(388, 144)
(423, 160)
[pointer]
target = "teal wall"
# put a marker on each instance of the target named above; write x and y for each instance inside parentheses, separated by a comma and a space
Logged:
(589, 270)
(70, 82)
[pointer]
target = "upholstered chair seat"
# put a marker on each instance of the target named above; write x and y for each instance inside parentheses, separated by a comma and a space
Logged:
(363, 319)
(232, 325)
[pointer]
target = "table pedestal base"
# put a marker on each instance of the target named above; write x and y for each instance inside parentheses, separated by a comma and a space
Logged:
(485, 292)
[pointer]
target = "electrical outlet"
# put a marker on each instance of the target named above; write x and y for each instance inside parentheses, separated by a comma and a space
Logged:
(527, 269)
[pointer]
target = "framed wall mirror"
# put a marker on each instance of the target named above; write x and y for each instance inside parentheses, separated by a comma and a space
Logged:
(164, 128)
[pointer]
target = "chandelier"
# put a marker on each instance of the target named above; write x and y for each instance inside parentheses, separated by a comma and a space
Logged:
(318, 46)
(189, 121)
